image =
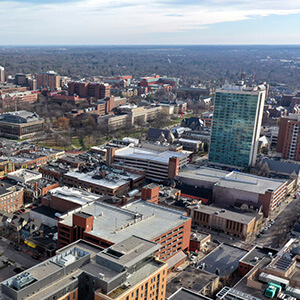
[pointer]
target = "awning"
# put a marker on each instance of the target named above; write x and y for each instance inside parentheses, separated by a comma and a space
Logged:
(178, 257)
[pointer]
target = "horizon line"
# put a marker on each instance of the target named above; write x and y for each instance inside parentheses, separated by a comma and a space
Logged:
(141, 45)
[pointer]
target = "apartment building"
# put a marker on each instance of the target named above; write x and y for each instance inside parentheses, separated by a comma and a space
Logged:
(236, 125)
(289, 137)
(96, 90)
(49, 80)
(127, 270)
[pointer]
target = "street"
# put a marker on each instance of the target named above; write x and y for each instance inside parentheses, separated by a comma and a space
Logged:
(12, 260)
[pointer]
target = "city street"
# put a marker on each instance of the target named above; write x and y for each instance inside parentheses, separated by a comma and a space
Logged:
(11, 259)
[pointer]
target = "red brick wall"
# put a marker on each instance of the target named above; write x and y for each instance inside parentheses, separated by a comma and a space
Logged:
(150, 194)
(173, 167)
(60, 204)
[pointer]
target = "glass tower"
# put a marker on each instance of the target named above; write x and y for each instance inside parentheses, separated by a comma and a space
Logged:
(236, 126)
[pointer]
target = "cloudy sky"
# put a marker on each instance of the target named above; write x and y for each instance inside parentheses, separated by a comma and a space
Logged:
(93, 22)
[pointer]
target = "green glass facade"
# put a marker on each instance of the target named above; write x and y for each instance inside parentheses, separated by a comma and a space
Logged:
(234, 129)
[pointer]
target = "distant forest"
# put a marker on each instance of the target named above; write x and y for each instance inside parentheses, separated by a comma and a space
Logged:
(193, 64)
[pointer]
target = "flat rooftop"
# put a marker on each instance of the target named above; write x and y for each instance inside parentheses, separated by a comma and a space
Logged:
(74, 195)
(240, 217)
(191, 278)
(250, 183)
(256, 254)
(187, 295)
(234, 179)
(111, 181)
(24, 175)
(138, 218)
(149, 155)
(202, 174)
(129, 251)
(225, 258)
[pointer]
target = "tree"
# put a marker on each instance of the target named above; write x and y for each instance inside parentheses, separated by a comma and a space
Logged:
(62, 122)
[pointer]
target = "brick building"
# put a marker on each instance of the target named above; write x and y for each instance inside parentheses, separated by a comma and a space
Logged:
(65, 199)
(237, 224)
(108, 181)
(11, 197)
(32, 182)
(106, 225)
(50, 80)
(89, 89)
(289, 137)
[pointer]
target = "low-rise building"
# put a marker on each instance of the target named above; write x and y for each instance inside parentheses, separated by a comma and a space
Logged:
(11, 197)
(223, 260)
(35, 187)
(20, 124)
(65, 199)
(237, 224)
(236, 188)
(196, 280)
(106, 180)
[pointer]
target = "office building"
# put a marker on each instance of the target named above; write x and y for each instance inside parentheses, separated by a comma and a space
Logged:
(289, 137)
(49, 80)
(237, 118)
(20, 124)
(127, 270)
(106, 225)
(2, 74)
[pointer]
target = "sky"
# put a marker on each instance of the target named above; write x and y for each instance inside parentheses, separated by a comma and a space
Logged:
(141, 22)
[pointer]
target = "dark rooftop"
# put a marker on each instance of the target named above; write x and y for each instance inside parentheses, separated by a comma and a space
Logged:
(47, 211)
(187, 295)
(256, 254)
(224, 258)
(192, 278)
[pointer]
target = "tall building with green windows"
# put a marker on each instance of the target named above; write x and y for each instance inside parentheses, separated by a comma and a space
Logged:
(237, 118)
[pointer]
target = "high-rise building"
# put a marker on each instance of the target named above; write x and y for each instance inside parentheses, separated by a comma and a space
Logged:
(2, 74)
(237, 118)
(95, 90)
(289, 137)
(49, 80)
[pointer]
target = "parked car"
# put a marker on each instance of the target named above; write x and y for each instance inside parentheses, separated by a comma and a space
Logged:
(18, 248)
(258, 235)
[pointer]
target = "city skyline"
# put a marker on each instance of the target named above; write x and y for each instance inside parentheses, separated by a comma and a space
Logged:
(91, 22)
